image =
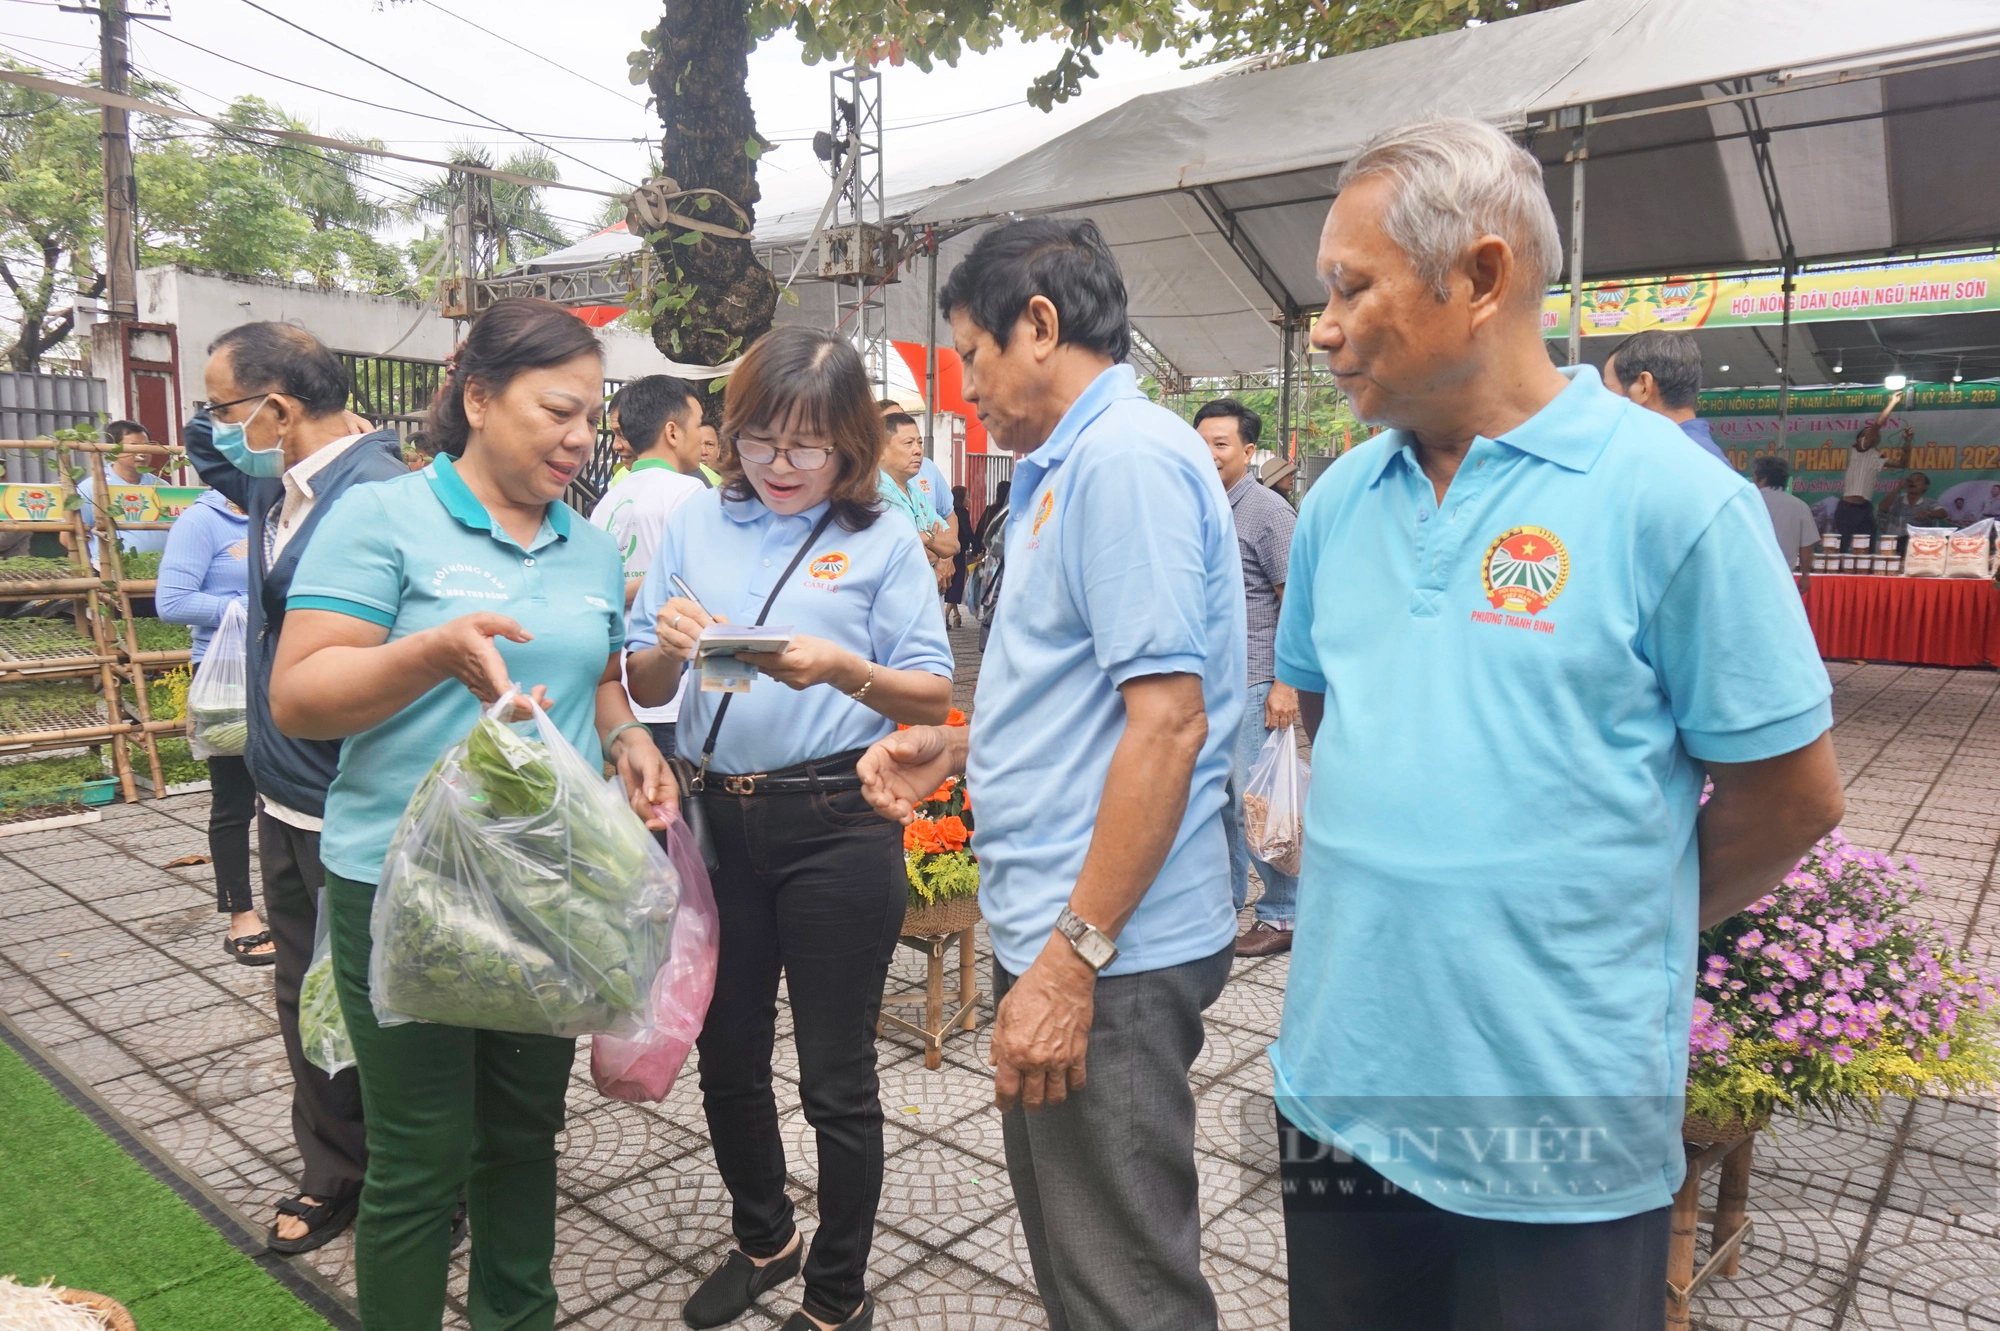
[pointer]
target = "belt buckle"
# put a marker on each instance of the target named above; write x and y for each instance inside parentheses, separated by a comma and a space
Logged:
(740, 785)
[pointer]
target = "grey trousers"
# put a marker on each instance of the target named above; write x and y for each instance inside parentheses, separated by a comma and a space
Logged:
(1106, 1180)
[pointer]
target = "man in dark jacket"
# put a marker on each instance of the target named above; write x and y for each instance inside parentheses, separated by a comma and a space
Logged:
(277, 440)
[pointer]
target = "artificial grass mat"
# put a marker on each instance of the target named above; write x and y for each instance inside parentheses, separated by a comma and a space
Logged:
(76, 1209)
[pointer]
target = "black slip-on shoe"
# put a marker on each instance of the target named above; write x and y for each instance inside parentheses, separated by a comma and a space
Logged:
(732, 1287)
(863, 1318)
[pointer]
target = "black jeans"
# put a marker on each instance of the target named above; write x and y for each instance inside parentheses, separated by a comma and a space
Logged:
(811, 884)
(1853, 517)
(1362, 1255)
(326, 1111)
(232, 803)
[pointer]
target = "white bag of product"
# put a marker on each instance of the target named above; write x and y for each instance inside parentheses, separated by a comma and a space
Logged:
(1969, 551)
(217, 704)
(1274, 802)
(1924, 550)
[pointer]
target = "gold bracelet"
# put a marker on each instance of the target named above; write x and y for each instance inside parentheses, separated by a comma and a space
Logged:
(866, 684)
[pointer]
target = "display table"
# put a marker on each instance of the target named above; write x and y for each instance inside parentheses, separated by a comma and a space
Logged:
(1911, 621)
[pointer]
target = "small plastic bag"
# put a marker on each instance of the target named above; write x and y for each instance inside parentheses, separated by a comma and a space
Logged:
(519, 894)
(322, 1029)
(218, 719)
(1274, 802)
(644, 1068)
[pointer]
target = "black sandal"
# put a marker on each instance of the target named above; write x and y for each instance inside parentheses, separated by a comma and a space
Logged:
(241, 947)
(324, 1222)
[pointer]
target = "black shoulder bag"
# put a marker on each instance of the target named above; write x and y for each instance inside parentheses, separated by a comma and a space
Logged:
(693, 811)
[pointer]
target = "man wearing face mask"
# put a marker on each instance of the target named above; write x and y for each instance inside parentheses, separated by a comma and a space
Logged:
(278, 442)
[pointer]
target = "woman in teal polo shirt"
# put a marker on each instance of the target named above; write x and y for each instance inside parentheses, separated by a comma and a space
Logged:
(420, 599)
(811, 882)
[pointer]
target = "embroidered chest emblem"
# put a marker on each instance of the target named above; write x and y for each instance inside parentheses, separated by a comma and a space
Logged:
(1525, 569)
(829, 567)
(1043, 511)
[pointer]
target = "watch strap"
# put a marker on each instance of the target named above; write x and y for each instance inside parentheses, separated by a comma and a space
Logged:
(1090, 943)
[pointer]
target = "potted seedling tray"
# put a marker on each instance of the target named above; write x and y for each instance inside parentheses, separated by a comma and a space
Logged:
(53, 792)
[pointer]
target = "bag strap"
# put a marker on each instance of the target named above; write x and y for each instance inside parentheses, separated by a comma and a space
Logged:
(722, 708)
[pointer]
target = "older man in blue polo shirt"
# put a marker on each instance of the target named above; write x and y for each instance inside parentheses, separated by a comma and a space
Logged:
(1526, 629)
(1107, 710)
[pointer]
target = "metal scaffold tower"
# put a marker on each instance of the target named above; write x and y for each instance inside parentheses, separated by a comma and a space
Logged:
(855, 249)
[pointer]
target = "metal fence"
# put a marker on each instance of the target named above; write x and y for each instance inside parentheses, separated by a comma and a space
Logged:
(393, 392)
(596, 478)
(983, 474)
(397, 393)
(33, 406)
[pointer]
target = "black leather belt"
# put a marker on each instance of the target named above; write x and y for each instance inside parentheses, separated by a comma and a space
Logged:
(829, 775)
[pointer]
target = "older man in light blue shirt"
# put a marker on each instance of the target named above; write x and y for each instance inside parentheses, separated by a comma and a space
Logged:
(1527, 625)
(1108, 705)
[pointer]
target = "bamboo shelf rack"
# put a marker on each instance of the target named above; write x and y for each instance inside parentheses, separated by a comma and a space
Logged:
(102, 650)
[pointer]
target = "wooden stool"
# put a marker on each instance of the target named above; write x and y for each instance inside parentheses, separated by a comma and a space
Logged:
(932, 931)
(1729, 1221)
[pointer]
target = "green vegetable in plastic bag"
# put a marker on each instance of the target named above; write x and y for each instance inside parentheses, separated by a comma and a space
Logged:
(322, 1028)
(519, 894)
(217, 705)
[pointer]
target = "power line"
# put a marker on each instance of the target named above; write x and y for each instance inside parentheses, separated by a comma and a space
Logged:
(37, 62)
(413, 189)
(605, 87)
(300, 27)
(380, 106)
(50, 41)
(99, 97)
(805, 135)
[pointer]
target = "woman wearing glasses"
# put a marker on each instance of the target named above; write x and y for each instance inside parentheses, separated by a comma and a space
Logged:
(811, 882)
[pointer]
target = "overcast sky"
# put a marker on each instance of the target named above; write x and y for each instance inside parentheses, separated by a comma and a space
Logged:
(588, 98)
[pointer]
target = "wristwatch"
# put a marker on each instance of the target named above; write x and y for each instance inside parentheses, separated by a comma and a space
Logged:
(1090, 942)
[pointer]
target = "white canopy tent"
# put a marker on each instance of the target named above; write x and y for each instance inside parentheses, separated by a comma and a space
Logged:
(1719, 135)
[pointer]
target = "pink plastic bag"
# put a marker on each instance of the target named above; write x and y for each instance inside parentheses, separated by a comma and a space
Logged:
(644, 1067)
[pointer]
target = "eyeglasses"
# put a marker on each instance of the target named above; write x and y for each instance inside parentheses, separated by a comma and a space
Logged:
(214, 407)
(800, 456)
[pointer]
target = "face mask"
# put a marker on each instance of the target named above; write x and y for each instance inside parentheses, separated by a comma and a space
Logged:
(230, 441)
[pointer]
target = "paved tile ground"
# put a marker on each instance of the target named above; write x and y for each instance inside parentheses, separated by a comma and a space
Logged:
(112, 962)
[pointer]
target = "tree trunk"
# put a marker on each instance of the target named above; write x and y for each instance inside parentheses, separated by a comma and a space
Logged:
(700, 81)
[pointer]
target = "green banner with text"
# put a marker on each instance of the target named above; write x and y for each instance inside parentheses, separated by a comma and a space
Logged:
(1950, 433)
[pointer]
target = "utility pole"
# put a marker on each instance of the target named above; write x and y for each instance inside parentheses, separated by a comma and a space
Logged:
(121, 195)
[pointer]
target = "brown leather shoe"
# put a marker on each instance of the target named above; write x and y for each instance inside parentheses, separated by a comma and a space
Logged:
(1263, 940)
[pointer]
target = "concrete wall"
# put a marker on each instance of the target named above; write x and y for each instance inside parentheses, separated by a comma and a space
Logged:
(204, 305)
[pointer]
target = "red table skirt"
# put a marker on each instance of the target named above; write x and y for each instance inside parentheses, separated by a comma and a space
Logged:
(1913, 621)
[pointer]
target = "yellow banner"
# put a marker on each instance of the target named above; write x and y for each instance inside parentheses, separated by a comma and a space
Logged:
(1880, 291)
(32, 503)
(152, 503)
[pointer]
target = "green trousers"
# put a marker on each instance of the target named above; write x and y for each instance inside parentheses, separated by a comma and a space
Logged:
(449, 1110)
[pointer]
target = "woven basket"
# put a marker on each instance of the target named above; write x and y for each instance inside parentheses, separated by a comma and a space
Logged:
(109, 1310)
(943, 917)
(1699, 1130)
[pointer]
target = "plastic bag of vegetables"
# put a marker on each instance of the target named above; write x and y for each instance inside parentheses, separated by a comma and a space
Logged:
(519, 893)
(644, 1069)
(322, 1030)
(219, 725)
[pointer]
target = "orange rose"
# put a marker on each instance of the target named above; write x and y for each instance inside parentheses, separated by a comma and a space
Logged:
(951, 832)
(954, 717)
(942, 793)
(922, 836)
